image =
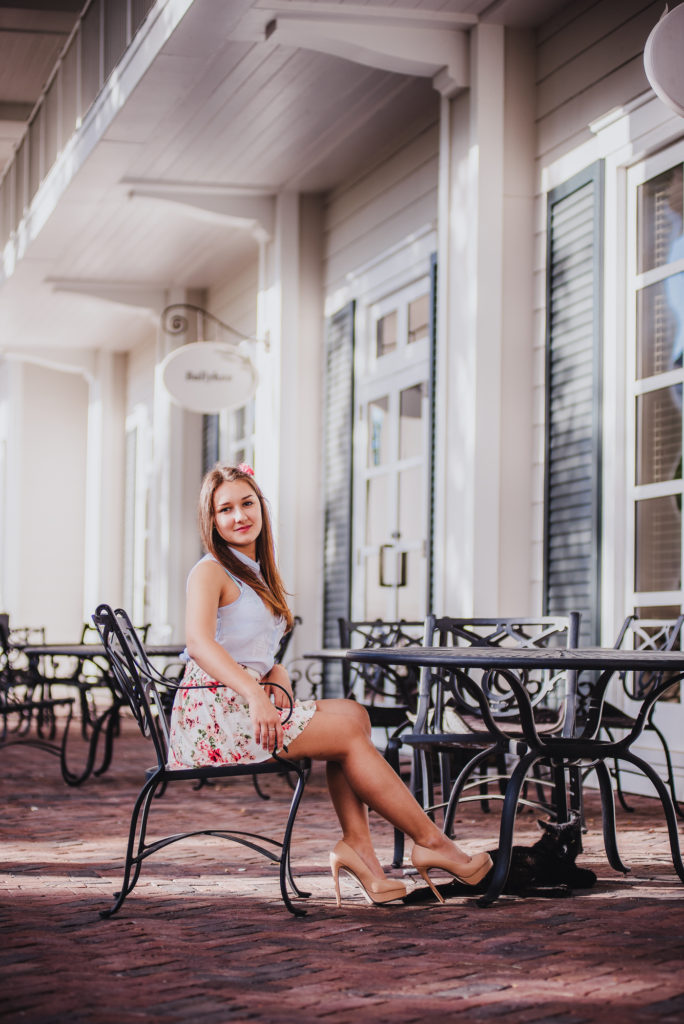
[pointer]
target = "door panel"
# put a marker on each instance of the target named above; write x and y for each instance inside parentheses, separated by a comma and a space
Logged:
(391, 461)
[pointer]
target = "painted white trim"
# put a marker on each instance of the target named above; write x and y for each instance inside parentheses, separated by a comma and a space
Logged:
(159, 25)
(388, 271)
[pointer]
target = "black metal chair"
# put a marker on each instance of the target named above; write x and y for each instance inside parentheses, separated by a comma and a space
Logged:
(389, 694)
(640, 634)
(572, 749)
(28, 711)
(144, 689)
(451, 734)
(92, 676)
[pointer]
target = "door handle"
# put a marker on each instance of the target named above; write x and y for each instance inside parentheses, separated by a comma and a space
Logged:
(402, 567)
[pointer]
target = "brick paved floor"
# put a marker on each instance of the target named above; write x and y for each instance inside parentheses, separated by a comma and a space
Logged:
(204, 936)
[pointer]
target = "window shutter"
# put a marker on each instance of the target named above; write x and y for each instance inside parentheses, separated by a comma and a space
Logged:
(433, 430)
(210, 441)
(572, 507)
(339, 411)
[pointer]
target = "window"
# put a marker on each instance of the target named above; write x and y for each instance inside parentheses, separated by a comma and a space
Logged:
(656, 378)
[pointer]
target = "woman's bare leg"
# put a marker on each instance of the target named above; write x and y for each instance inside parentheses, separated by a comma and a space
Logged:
(369, 778)
(351, 811)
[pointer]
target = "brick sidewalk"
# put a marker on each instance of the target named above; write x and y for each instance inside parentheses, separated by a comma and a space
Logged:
(204, 936)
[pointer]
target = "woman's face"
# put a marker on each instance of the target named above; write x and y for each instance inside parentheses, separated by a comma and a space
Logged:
(237, 515)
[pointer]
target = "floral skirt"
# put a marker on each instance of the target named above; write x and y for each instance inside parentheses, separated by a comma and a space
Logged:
(210, 724)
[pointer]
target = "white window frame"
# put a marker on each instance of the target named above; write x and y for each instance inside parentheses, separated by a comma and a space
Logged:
(637, 174)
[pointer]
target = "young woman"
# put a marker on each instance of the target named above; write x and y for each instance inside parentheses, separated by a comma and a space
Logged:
(236, 615)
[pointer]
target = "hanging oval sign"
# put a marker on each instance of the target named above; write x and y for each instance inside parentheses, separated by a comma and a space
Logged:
(664, 59)
(208, 376)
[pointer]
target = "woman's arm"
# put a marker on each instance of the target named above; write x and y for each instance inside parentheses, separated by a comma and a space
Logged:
(280, 676)
(208, 588)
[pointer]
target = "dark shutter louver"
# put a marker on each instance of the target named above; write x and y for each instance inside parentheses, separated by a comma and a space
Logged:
(572, 510)
(433, 429)
(210, 441)
(339, 412)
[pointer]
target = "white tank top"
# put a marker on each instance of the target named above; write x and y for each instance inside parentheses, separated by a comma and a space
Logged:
(246, 628)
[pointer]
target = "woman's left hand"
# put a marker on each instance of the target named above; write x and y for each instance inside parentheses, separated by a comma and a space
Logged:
(282, 692)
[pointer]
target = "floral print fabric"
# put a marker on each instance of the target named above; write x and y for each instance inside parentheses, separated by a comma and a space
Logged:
(210, 724)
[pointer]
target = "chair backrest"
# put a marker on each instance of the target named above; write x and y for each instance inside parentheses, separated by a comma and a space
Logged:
(646, 634)
(89, 633)
(445, 694)
(285, 642)
(139, 683)
(374, 683)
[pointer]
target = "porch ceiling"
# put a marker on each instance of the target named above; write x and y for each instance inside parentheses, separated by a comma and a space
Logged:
(220, 110)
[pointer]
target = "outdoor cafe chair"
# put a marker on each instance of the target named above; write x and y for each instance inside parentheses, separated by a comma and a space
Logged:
(146, 691)
(92, 676)
(572, 748)
(451, 732)
(639, 634)
(29, 713)
(388, 693)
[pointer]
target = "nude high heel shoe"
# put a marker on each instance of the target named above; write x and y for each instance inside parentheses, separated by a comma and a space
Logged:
(425, 860)
(376, 890)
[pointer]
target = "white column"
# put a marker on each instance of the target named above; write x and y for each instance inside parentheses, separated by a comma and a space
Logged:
(470, 317)
(11, 427)
(277, 396)
(103, 570)
(176, 475)
(288, 415)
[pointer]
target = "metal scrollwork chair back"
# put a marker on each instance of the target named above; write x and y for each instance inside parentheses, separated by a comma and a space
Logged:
(146, 692)
(389, 693)
(465, 721)
(643, 634)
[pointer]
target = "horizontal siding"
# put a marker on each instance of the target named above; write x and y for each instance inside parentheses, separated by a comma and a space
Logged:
(608, 36)
(381, 206)
(235, 300)
(590, 65)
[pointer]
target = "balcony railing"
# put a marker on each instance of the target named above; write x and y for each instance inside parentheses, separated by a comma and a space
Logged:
(101, 36)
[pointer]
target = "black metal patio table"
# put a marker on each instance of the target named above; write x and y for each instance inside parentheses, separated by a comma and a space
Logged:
(571, 748)
(105, 724)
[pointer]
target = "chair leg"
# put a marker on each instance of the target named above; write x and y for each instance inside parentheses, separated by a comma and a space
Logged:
(608, 817)
(457, 788)
(392, 758)
(264, 796)
(285, 867)
(670, 770)
(506, 829)
(111, 730)
(577, 798)
(133, 861)
(668, 807)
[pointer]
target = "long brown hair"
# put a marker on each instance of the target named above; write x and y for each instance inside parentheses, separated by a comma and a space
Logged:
(269, 588)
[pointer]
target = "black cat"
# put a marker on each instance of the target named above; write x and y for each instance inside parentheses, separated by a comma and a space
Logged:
(545, 869)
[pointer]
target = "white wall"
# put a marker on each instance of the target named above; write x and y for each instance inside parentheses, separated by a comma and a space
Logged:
(380, 206)
(48, 495)
(234, 300)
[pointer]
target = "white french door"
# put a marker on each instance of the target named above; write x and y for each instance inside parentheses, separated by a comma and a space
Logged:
(391, 459)
(655, 425)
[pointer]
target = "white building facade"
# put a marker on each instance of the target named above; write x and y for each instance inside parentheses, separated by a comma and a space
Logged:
(455, 230)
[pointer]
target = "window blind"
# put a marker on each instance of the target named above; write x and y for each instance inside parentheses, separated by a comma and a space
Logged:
(572, 506)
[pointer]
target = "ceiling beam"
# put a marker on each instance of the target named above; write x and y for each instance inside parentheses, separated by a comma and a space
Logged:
(15, 111)
(232, 206)
(417, 42)
(121, 293)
